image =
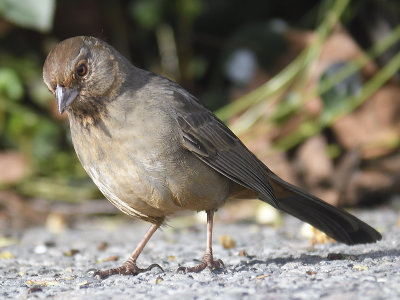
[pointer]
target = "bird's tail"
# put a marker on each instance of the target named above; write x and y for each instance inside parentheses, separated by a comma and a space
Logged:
(335, 222)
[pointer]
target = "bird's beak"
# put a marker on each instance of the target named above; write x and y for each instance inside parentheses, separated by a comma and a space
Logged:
(64, 97)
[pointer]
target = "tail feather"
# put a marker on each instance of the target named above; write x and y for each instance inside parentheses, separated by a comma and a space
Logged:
(335, 222)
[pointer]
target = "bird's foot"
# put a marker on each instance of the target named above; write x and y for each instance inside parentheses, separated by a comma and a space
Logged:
(128, 268)
(207, 262)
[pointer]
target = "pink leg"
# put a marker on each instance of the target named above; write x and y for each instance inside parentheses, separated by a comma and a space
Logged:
(129, 267)
(208, 259)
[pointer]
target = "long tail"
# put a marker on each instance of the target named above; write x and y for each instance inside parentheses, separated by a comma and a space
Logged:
(335, 222)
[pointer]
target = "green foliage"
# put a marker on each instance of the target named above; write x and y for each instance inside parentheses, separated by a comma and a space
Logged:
(35, 14)
(26, 126)
(198, 37)
(10, 84)
(335, 100)
(148, 13)
(286, 108)
(151, 13)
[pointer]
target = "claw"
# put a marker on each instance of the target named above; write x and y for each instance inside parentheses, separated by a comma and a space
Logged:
(129, 267)
(207, 262)
(182, 270)
(152, 266)
(125, 269)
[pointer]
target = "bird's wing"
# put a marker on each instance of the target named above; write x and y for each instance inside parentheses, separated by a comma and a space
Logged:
(216, 145)
(212, 142)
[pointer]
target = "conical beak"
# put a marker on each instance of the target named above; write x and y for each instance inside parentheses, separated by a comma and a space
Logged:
(65, 96)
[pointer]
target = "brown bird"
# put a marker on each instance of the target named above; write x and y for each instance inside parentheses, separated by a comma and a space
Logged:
(153, 149)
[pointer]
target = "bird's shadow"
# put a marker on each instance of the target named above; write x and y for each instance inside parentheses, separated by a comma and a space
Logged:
(309, 259)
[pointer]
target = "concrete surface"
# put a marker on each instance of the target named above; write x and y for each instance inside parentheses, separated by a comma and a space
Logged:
(281, 263)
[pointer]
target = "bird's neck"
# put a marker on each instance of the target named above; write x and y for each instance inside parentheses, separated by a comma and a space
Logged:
(87, 113)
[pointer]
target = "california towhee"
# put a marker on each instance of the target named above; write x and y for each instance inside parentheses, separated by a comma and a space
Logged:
(153, 149)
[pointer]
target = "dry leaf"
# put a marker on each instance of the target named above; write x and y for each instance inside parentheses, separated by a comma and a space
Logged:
(13, 167)
(83, 284)
(314, 235)
(313, 161)
(309, 272)
(227, 241)
(56, 223)
(112, 258)
(34, 289)
(360, 268)
(102, 246)
(159, 280)
(171, 258)
(71, 252)
(373, 125)
(6, 255)
(42, 282)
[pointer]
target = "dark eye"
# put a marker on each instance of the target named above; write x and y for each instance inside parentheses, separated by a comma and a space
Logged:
(81, 70)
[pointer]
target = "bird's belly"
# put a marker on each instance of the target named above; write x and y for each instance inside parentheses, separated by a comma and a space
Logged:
(159, 193)
(145, 183)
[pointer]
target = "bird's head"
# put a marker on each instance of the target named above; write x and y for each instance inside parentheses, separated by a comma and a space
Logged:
(82, 72)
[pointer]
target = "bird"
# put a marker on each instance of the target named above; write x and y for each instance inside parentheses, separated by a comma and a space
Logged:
(153, 150)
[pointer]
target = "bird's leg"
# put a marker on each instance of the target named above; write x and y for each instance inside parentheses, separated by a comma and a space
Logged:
(129, 267)
(208, 259)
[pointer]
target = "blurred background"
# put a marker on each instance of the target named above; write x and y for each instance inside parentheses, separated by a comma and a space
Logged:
(311, 87)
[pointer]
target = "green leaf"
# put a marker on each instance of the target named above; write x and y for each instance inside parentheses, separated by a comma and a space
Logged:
(45, 139)
(289, 105)
(10, 84)
(189, 9)
(35, 14)
(337, 100)
(148, 13)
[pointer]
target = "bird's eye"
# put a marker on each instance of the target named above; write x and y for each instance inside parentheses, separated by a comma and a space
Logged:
(81, 70)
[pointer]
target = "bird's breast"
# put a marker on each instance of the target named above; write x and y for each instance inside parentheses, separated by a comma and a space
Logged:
(143, 170)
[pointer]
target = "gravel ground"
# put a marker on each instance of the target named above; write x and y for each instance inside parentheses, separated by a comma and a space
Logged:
(280, 264)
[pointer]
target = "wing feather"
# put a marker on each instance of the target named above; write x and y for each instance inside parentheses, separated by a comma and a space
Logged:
(215, 144)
